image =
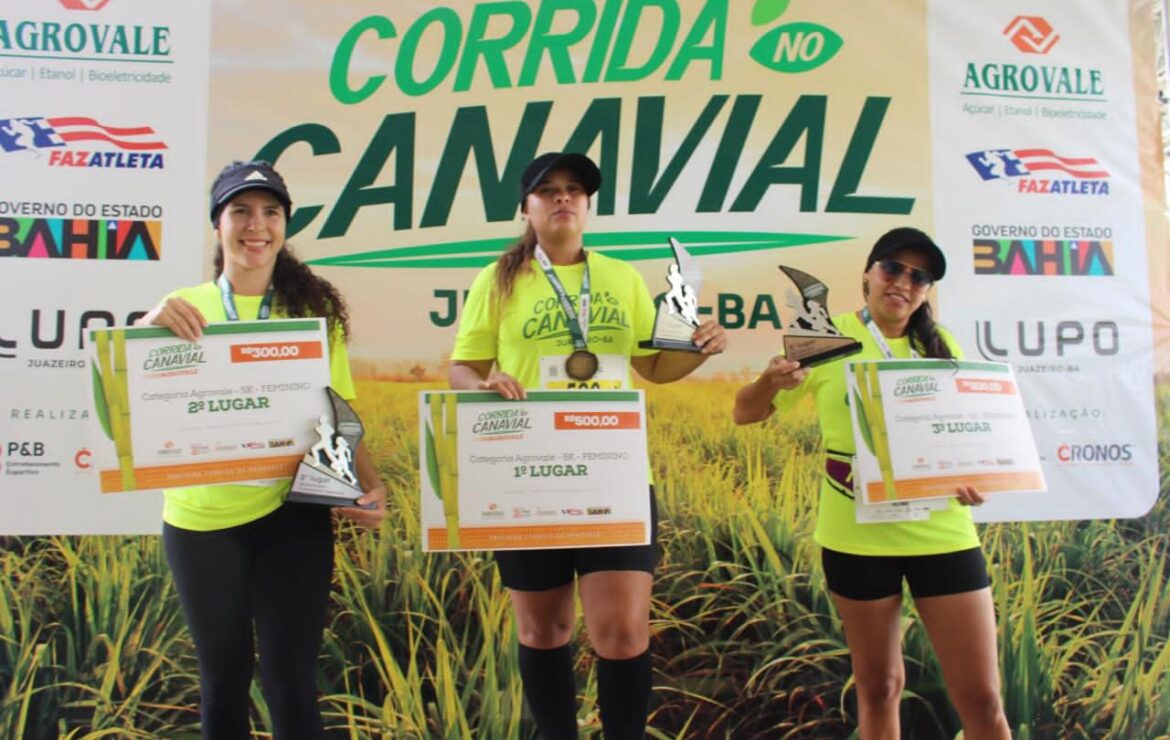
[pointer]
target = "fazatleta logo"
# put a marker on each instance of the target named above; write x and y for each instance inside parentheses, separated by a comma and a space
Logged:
(133, 147)
(448, 51)
(915, 388)
(1042, 171)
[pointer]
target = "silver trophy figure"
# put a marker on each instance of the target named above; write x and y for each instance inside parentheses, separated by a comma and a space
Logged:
(326, 475)
(810, 337)
(678, 312)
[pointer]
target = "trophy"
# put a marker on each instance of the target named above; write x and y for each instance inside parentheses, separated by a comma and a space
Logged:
(678, 313)
(326, 474)
(810, 338)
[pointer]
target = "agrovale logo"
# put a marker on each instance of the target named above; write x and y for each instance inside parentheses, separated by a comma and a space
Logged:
(84, 4)
(1031, 34)
(792, 47)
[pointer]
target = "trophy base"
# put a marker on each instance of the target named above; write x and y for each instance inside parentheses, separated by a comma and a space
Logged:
(810, 351)
(314, 485)
(674, 345)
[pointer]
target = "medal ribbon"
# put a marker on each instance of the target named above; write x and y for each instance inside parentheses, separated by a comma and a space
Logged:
(229, 301)
(867, 319)
(579, 322)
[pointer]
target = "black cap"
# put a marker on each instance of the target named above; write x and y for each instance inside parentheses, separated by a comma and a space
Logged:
(906, 237)
(579, 164)
(238, 177)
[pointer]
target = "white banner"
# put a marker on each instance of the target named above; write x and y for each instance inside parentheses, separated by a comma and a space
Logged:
(102, 211)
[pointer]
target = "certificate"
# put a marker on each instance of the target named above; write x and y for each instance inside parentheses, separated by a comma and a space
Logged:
(925, 427)
(237, 406)
(560, 469)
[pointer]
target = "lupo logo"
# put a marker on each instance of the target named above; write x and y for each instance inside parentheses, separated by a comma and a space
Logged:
(84, 4)
(1031, 34)
(793, 47)
(139, 146)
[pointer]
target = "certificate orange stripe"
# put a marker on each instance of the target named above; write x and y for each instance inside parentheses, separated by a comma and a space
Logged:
(547, 535)
(944, 485)
(202, 474)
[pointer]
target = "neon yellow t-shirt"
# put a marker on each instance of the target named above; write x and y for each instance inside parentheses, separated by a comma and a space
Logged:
(529, 332)
(947, 530)
(205, 508)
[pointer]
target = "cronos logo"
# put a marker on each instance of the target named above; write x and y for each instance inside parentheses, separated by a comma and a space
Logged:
(1096, 453)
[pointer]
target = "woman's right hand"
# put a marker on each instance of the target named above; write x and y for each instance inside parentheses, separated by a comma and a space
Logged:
(505, 385)
(178, 315)
(784, 374)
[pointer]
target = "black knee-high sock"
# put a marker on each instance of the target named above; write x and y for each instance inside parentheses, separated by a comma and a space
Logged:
(550, 690)
(623, 695)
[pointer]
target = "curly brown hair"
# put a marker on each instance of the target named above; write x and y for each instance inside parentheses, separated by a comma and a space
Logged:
(300, 293)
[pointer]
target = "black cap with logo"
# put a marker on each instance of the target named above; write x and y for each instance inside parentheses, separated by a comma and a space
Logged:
(238, 177)
(578, 164)
(907, 237)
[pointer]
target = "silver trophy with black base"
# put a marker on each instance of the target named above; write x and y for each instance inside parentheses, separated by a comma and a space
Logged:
(678, 312)
(810, 337)
(327, 475)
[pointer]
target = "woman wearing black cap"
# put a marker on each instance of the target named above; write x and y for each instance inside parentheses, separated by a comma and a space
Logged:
(522, 329)
(865, 564)
(239, 554)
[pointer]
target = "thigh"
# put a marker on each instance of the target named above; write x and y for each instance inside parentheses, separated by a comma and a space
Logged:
(616, 605)
(535, 570)
(544, 619)
(629, 558)
(962, 630)
(210, 571)
(861, 577)
(291, 578)
(873, 632)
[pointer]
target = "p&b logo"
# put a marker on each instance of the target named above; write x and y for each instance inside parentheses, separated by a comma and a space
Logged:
(24, 449)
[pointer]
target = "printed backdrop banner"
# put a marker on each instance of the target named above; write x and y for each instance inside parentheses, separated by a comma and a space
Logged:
(757, 133)
(103, 115)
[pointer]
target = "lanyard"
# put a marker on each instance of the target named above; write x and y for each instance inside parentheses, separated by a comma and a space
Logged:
(579, 322)
(867, 319)
(229, 301)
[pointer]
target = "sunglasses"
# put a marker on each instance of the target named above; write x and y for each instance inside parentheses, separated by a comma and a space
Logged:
(894, 269)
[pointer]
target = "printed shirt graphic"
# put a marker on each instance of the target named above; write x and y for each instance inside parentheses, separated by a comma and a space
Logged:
(948, 530)
(205, 508)
(532, 324)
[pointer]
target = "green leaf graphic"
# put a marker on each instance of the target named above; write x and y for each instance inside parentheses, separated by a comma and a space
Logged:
(766, 11)
(99, 401)
(432, 462)
(863, 422)
(796, 47)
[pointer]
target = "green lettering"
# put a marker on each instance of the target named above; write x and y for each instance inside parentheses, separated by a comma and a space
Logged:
(972, 77)
(556, 45)
(5, 41)
(602, 120)
(404, 64)
(602, 38)
(764, 311)
(628, 31)
(807, 120)
(162, 41)
(395, 136)
(646, 195)
(471, 132)
(343, 57)
(713, 17)
(730, 311)
(321, 141)
(743, 113)
(492, 50)
(842, 199)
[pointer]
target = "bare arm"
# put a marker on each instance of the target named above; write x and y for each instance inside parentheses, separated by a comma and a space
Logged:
(178, 315)
(753, 402)
(477, 375)
(667, 366)
(375, 492)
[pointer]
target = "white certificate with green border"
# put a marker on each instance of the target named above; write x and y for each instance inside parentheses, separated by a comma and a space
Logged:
(240, 405)
(925, 427)
(560, 469)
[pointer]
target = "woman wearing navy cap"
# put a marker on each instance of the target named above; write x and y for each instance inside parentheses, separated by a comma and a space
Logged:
(865, 564)
(241, 557)
(503, 346)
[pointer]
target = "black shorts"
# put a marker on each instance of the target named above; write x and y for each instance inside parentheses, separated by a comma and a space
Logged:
(869, 577)
(541, 570)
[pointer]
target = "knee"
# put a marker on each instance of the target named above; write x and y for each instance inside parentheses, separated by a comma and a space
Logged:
(979, 706)
(544, 634)
(883, 690)
(620, 638)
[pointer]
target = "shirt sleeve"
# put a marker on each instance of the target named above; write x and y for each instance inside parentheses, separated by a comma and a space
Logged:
(479, 326)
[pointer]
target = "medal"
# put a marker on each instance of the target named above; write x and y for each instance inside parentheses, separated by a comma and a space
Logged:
(581, 365)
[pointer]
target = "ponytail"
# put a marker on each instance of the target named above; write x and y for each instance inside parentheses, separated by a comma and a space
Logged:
(514, 261)
(925, 335)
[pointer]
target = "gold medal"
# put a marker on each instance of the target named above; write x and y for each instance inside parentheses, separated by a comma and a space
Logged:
(581, 365)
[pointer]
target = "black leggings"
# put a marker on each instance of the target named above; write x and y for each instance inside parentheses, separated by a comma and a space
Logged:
(275, 572)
